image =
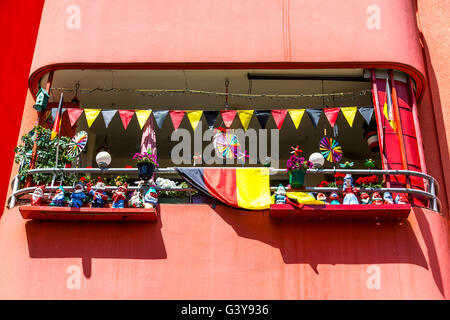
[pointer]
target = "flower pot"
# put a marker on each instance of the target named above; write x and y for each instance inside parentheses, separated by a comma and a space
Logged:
(297, 178)
(145, 170)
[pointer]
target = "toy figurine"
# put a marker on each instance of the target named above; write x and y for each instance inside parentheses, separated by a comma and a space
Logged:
(280, 195)
(151, 198)
(136, 200)
(59, 199)
(365, 198)
(97, 193)
(376, 198)
(77, 197)
(322, 197)
(38, 196)
(349, 191)
(388, 199)
(401, 199)
(334, 197)
(119, 196)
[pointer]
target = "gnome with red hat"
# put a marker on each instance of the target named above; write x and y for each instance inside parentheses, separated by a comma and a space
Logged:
(37, 196)
(119, 196)
(97, 193)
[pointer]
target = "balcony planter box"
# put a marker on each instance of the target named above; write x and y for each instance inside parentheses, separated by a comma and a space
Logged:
(297, 178)
(145, 170)
(173, 200)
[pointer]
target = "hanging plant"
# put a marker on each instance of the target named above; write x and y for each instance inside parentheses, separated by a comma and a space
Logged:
(146, 162)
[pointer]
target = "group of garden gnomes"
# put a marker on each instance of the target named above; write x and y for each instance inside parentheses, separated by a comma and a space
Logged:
(97, 197)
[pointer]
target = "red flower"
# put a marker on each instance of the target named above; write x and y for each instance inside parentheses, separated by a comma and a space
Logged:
(323, 184)
(339, 176)
(339, 183)
(128, 167)
(68, 165)
(88, 167)
(82, 179)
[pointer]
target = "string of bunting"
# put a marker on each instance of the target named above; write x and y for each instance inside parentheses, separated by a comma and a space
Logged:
(228, 116)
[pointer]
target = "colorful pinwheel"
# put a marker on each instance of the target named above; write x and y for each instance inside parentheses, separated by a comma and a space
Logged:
(296, 151)
(227, 145)
(330, 149)
(78, 143)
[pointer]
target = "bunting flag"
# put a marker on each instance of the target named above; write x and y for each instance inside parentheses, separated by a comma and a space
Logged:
(108, 115)
(296, 116)
(262, 116)
(160, 116)
(279, 116)
(246, 188)
(366, 113)
(142, 116)
(91, 115)
(211, 117)
(54, 112)
(331, 114)
(176, 116)
(74, 114)
(245, 116)
(349, 114)
(57, 122)
(126, 116)
(228, 117)
(314, 115)
(388, 108)
(194, 118)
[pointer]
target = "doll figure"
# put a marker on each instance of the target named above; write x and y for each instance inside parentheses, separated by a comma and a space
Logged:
(38, 196)
(334, 198)
(119, 196)
(77, 197)
(322, 197)
(151, 198)
(136, 200)
(349, 191)
(388, 199)
(401, 199)
(365, 198)
(97, 193)
(376, 198)
(59, 199)
(280, 195)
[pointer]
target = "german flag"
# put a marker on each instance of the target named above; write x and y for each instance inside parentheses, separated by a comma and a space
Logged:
(57, 123)
(245, 188)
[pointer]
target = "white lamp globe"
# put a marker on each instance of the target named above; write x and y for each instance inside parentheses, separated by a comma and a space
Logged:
(317, 160)
(103, 159)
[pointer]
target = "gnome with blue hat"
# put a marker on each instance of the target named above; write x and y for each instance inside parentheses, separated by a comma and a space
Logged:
(280, 195)
(59, 198)
(77, 197)
(350, 191)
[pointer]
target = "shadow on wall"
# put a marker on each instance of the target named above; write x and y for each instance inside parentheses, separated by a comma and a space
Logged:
(87, 240)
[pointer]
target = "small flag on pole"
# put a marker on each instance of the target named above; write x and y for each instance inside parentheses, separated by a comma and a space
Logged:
(57, 123)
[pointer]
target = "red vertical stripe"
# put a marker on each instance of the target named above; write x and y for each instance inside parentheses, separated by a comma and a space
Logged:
(221, 183)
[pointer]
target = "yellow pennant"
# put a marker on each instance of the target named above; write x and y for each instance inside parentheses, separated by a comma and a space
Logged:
(91, 115)
(142, 116)
(296, 116)
(194, 118)
(245, 116)
(349, 114)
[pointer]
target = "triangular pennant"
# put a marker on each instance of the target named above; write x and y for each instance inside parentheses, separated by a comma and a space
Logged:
(54, 111)
(142, 116)
(160, 116)
(108, 115)
(349, 114)
(194, 118)
(366, 113)
(314, 115)
(331, 114)
(245, 116)
(176, 116)
(211, 117)
(388, 108)
(279, 116)
(262, 116)
(296, 116)
(74, 114)
(126, 116)
(228, 117)
(91, 115)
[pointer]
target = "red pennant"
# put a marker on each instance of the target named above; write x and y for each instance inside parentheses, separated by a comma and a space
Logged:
(176, 116)
(332, 114)
(74, 114)
(279, 116)
(228, 117)
(126, 116)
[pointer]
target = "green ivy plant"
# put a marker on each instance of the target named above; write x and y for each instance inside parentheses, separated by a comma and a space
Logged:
(46, 155)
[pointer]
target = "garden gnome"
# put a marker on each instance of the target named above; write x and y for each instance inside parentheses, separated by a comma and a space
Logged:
(97, 193)
(119, 196)
(334, 197)
(77, 197)
(349, 191)
(322, 197)
(136, 200)
(388, 199)
(376, 198)
(151, 198)
(401, 199)
(280, 195)
(59, 199)
(38, 196)
(365, 198)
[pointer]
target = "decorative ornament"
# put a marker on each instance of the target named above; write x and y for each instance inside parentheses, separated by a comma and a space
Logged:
(349, 191)
(151, 198)
(334, 198)
(296, 151)
(227, 145)
(330, 149)
(197, 158)
(103, 159)
(77, 197)
(317, 160)
(365, 198)
(322, 197)
(38, 196)
(119, 196)
(347, 165)
(376, 198)
(58, 199)
(369, 163)
(280, 195)
(401, 199)
(97, 193)
(78, 144)
(388, 199)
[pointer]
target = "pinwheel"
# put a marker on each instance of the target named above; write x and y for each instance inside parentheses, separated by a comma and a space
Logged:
(330, 149)
(78, 143)
(227, 145)
(296, 151)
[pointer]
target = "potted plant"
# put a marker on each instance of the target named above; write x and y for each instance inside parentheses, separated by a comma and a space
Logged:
(296, 167)
(146, 163)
